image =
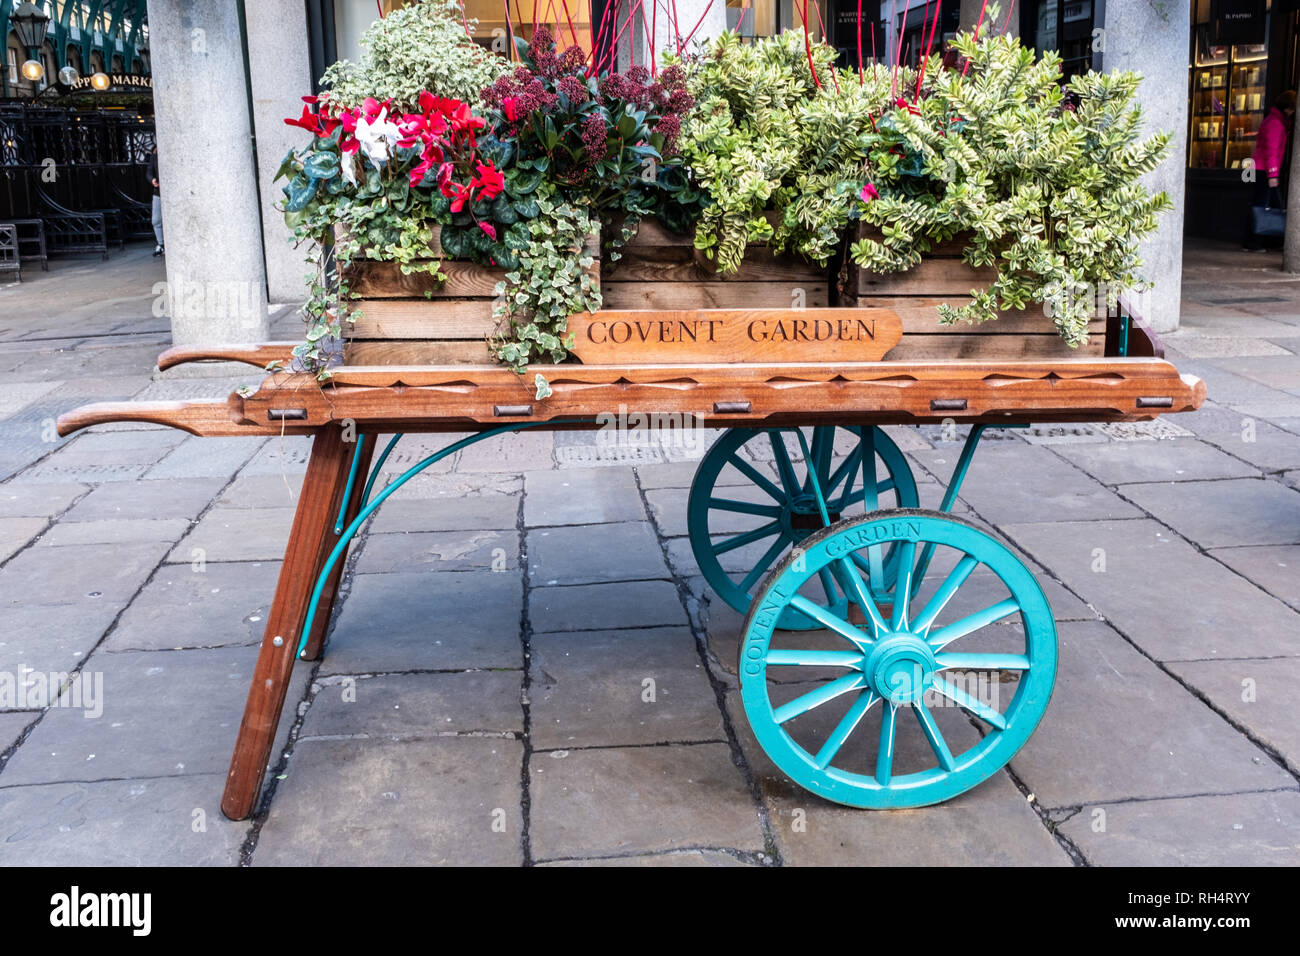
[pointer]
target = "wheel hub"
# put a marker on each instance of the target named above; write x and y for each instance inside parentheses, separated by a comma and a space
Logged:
(899, 668)
(800, 516)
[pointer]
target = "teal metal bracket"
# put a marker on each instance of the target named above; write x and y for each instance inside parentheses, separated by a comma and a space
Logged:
(352, 480)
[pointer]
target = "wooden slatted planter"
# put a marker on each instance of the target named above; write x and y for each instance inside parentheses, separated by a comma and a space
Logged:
(942, 278)
(415, 320)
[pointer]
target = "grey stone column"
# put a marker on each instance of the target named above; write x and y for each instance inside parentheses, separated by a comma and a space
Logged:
(1291, 250)
(216, 280)
(1140, 37)
(280, 68)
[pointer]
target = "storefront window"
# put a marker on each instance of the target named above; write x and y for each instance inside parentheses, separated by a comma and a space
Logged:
(1067, 27)
(1229, 95)
(753, 18)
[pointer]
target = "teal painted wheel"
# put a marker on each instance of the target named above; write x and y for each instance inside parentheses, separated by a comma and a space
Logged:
(738, 532)
(900, 703)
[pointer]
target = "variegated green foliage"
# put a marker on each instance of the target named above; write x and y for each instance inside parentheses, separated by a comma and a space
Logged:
(1043, 181)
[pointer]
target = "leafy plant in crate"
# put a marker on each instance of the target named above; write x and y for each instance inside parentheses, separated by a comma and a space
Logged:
(1045, 181)
(586, 146)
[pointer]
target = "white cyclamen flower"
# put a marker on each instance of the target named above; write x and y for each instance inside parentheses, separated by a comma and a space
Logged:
(378, 138)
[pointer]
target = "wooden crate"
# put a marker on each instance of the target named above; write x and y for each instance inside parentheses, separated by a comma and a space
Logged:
(942, 278)
(415, 320)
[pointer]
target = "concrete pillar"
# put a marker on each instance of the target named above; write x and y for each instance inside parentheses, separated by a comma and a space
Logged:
(280, 64)
(1154, 42)
(1291, 249)
(216, 280)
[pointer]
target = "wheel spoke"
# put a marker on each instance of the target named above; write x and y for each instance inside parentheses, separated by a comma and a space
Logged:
(813, 658)
(744, 507)
(965, 701)
(757, 477)
(850, 632)
(749, 537)
(903, 585)
(828, 585)
(765, 562)
(951, 660)
(856, 591)
(956, 578)
(885, 755)
(783, 466)
(848, 467)
(973, 622)
(931, 731)
(815, 698)
(815, 458)
(844, 728)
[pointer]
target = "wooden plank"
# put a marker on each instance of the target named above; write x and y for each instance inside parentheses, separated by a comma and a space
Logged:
(417, 352)
(920, 314)
(419, 319)
(385, 280)
(916, 347)
(260, 355)
(310, 538)
(934, 277)
(688, 264)
(614, 337)
(213, 418)
(714, 295)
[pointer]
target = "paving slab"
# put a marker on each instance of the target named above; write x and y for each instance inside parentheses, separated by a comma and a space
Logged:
(84, 575)
(1215, 514)
(595, 607)
(1016, 481)
(1280, 370)
(160, 821)
(680, 474)
(487, 512)
(38, 501)
(1174, 602)
(1248, 829)
(1262, 444)
(626, 551)
(114, 531)
(146, 499)
(629, 800)
(417, 706)
(228, 533)
(13, 723)
(452, 801)
(432, 551)
(681, 858)
(262, 491)
(197, 457)
(577, 496)
(1180, 459)
(225, 604)
(1259, 695)
(514, 452)
(612, 688)
(165, 713)
(51, 638)
(282, 455)
(1118, 728)
(17, 533)
(403, 621)
(1276, 569)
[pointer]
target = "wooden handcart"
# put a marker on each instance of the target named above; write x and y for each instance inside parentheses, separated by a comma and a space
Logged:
(844, 580)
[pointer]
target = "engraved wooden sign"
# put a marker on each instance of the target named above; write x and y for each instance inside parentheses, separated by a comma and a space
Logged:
(731, 336)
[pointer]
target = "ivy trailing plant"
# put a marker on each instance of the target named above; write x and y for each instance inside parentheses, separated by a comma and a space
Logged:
(1042, 181)
(584, 146)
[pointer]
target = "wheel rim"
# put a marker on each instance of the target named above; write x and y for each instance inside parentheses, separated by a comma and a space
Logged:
(892, 681)
(787, 512)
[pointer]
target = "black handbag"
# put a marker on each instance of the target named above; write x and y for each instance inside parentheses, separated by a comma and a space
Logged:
(1269, 220)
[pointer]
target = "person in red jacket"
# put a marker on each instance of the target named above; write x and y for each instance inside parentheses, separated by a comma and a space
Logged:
(1270, 152)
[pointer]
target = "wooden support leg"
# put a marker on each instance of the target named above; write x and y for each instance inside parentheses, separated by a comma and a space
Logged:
(331, 590)
(313, 529)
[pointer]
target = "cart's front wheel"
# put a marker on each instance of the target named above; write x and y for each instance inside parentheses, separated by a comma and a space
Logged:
(741, 520)
(912, 697)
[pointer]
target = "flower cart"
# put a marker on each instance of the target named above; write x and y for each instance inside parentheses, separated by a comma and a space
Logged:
(800, 324)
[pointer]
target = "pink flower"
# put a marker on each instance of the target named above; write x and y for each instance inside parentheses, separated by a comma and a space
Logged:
(489, 229)
(868, 193)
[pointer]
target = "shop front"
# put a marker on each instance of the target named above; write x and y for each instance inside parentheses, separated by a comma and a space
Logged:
(1243, 55)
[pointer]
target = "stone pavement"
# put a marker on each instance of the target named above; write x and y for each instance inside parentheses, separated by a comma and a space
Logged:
(565, 692)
